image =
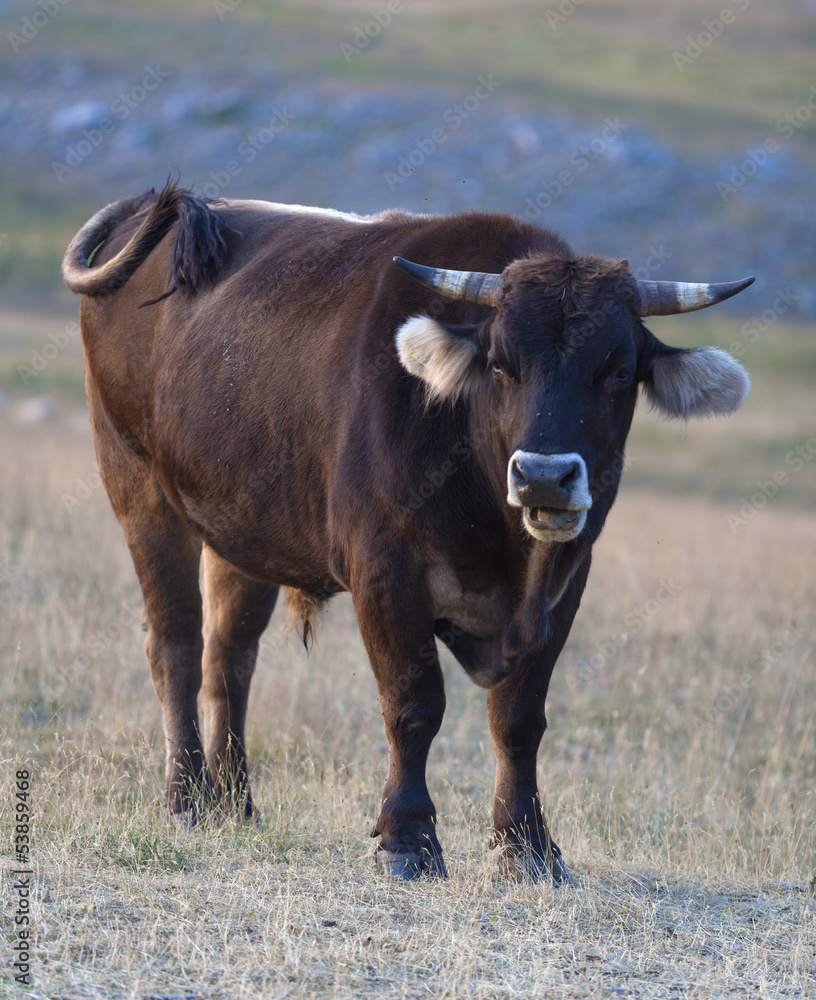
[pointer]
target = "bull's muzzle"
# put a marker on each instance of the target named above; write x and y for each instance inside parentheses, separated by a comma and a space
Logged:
(553, 492)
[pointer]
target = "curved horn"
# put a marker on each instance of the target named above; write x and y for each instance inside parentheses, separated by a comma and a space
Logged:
(469, 286)
(667, 298)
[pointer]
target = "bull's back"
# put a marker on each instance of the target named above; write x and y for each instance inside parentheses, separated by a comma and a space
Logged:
(249, 395)
(237, 393)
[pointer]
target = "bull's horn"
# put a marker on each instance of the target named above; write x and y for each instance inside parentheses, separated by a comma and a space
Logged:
(666, 298)
(470, 286)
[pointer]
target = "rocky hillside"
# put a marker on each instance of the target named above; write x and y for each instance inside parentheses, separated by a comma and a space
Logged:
(76, 134)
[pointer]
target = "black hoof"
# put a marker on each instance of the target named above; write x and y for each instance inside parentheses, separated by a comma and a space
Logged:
(186, 820)
(523, 864)
(559, 872)
(409, 866)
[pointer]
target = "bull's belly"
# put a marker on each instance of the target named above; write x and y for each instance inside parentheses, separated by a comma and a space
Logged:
(276, 548)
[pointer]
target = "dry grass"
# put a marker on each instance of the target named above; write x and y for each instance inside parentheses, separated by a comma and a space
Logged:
(678, 773)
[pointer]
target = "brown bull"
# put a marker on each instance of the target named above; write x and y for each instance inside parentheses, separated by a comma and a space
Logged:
(265, 379)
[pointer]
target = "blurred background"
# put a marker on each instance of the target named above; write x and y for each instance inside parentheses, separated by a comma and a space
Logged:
(678, 135)
(628, 125)
(681, 135)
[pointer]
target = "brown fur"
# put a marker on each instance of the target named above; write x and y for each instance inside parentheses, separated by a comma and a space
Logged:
(246, 392)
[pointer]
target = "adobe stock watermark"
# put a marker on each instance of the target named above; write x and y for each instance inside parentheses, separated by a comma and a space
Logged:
(787, 126)
(42, 357)
(635, 621)
(224, 7)
(730, 695)
(454, 117)
(366, 33)
(657, 257)
(434, 479)
(713, 27)
(459, 456)
(375, 367)
(33, 24)
(98, 641)
(756, 326)
(588, 328)
(121, 109)
(563, 12)
(258, 140)
(579, 161)
(83, 489)
(796, 460)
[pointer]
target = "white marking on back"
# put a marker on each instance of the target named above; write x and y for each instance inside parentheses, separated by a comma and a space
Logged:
(274, 206)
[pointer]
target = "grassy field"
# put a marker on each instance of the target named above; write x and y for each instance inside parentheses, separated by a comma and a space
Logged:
(678, 769)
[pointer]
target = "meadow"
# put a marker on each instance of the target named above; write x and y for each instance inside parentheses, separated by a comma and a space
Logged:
(678, 769)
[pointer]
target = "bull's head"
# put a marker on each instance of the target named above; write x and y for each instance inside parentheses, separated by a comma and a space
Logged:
(559, 364)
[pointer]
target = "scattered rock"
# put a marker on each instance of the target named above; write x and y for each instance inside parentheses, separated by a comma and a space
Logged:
(610, 186)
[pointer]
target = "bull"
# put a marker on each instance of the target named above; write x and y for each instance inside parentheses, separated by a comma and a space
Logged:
(414, 409)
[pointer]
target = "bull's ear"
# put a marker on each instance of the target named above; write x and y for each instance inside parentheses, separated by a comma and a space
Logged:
(696, 382)
(448, 359)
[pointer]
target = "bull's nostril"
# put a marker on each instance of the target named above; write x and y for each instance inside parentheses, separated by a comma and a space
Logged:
(519, 474)
(569, 477)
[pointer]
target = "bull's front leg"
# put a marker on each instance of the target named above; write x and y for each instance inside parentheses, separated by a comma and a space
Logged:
(517, 722)
(396, 624)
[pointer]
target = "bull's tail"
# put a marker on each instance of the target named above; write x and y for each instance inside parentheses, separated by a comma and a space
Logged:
(303, 612)
(199, 253)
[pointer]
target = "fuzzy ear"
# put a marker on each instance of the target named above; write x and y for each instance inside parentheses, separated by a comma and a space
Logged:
(699, 382)
(447, 360)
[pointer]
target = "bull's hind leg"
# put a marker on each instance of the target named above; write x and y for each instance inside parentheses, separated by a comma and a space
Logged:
(237, 610)
(166, 556)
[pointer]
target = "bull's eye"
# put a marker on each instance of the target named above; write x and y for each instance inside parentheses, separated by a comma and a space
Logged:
(623, 376)
(501, 374)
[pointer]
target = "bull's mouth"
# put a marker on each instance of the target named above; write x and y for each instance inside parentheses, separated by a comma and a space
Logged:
(550, 524)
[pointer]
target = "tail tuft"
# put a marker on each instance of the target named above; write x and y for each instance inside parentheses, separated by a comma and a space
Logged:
(302, 610)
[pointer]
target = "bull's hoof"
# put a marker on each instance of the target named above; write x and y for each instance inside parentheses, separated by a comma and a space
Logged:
(560, 873)
(185, 820)
(409, 866)
(523, 864)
